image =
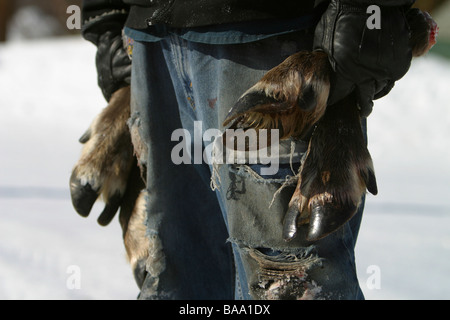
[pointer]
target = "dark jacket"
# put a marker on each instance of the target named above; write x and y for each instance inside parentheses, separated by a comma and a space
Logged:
(103, 21)
(193, 13)
(189, 13)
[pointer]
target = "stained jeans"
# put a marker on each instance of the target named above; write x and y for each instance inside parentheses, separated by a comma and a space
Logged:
(224, 244)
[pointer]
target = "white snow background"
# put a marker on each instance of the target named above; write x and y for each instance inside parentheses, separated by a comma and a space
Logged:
(48, 97)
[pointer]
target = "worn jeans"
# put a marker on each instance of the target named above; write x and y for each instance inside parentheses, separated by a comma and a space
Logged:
(227, 243)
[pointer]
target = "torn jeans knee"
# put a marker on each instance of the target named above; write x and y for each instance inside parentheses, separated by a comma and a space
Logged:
(282, 276)
(255, 210)
(272, 267)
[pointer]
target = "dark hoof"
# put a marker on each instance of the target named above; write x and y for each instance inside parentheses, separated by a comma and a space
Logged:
(290, 222)
(327, 218)
(86, 136)
(83, 196)
(110, 210)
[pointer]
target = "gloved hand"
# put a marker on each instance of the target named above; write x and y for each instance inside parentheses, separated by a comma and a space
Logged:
(113, 63)
(367, 61)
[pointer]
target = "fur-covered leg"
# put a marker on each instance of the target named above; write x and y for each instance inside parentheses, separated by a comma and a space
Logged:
(338, 168)
(108, 167)
(133, 220)
(337, 171)
(106, 160)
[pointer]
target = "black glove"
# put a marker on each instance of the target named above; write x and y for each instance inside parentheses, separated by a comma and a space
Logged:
(367, 61)
(113, 64)
(103, 21)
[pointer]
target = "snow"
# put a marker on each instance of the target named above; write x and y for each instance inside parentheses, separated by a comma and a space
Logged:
(406, 227)
(49, 96)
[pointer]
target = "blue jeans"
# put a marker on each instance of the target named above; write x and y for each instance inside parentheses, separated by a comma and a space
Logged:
(225, 244)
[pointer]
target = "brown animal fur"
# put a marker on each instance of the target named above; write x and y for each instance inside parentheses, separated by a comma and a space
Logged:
(135, 233)
(338, 167)
(285, 86)
(107, 154)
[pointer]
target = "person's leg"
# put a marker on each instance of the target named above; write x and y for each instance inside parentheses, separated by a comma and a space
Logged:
(190, 258)
(208, 80)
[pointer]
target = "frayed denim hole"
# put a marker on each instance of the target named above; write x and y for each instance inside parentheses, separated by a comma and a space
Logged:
(283, 275)
(253, 172)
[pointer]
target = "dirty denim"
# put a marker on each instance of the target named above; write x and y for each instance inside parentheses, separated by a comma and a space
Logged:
(227, 243)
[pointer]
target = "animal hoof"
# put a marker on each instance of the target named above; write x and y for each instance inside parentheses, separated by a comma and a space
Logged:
(110, 210)
(327, 218)
(83, 195)
(290, 222)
